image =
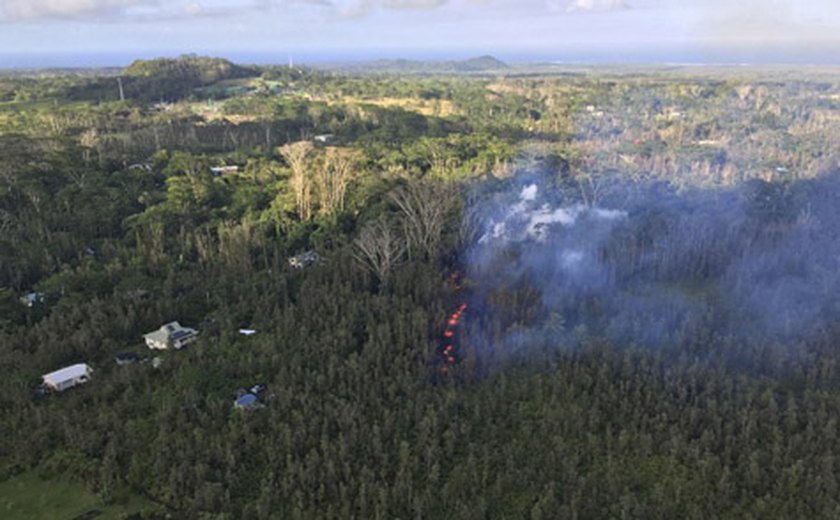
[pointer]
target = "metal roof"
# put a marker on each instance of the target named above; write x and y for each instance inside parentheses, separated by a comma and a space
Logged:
(246, 400)
(178, 334)
(68, 373)
(172, 330)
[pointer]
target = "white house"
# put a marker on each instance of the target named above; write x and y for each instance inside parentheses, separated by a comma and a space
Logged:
(171, 335)
(68, 377)
(324, 138)
(146, 167)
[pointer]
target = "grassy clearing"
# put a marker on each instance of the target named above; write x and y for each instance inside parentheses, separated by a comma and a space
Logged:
(430, 107)
(27, 496)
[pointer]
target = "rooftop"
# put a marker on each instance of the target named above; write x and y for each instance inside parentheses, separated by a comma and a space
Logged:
(246, 400)
(170, 331)
(67, 373)
(126, 358)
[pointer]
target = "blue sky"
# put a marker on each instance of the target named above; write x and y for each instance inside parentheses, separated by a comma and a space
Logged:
(622, 30)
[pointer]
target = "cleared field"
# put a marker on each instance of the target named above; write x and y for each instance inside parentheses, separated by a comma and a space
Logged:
(431, 107)
(27, 496)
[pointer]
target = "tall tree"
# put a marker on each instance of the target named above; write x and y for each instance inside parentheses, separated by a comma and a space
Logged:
(332, 176)
(424, 208)
(379, 248)
(297, 155)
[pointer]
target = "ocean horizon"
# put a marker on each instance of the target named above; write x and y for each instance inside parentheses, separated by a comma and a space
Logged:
(671, 57)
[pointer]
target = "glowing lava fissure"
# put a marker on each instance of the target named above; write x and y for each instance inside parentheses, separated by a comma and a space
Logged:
(447, 351)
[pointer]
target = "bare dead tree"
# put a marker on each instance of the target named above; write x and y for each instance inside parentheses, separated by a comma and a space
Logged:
(231, 133)
(56, 123)
(267, 131)
(379, 248)
(593, 187)
(89, 140)
(396, 171)
(332, 176)
(204, 246)
(78, 176)
(235, 244)
(424, 208)
(296, 155)
(470, 227)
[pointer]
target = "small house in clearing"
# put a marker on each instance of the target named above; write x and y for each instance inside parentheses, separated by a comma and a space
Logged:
(247, 402)
(32, 299)
(324, 139)
(67, 377)
(303, 260)
(249, 399)
(126, 358)
(171, 335)
(146, 167)
(219, 171)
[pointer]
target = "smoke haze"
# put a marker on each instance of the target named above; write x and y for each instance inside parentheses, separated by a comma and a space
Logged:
(651, 267)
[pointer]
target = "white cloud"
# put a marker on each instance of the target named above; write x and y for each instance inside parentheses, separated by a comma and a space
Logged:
(124, 10)
(353, 8)
(34, 9)
(770, 21)
(593, 5)
(194, 9)
(412, 4)
(145, 10)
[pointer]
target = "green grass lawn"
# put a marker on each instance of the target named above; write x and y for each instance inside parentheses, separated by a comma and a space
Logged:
(28, 497)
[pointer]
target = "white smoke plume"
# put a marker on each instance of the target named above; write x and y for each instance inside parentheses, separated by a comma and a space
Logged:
(657, 267)
(530, 219)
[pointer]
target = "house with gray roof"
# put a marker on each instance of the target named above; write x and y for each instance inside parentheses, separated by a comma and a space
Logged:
(171, 335)
(67, 377)
(303, 260)
(247, 402)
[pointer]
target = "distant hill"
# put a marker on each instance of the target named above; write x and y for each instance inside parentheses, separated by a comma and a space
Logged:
(403, 66)
(198, 69)
(482, 63)
(162, 79)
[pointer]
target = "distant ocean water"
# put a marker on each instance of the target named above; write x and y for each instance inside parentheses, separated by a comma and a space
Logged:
(674, 56)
